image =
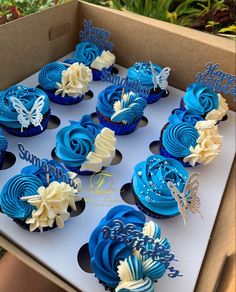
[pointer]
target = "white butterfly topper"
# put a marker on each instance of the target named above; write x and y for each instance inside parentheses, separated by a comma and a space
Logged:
(188, 199)
(25, 117)
(161, 78)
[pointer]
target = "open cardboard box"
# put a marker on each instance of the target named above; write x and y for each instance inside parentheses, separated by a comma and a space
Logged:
(29, 43)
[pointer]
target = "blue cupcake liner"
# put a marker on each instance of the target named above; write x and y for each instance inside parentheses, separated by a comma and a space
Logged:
(181, 105)
(2, 157)
(163, 152)
(118, 128)
(155, 96)
(97, 74)
(31, 131)
(77, 170)
(67, 100)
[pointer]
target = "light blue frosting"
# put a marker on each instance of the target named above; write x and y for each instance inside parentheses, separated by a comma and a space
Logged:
(3, 142)
(50, 75)
(141, 71)
(88, 123)
(21, 185)
(27, 95)
(150, 180)
(185, 116)
(178, 138)
(73, 144)
(41, 174)
(131, 109)
(107, 98)
(201, 99)
(86, 53)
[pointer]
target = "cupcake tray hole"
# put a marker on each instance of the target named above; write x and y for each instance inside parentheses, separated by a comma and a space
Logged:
(117, 159)
(114, 70)
(143, 122)
(83, 259)
(53, 123)
(95, 117)
(88, 95)
(165, 94)
(155, 147)
(80, 207)
(225, 118)
(9, 160)
(54, 156)
(127, 194)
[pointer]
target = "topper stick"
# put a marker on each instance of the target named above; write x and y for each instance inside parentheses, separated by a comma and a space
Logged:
(48, 178)
(30, 197)
(123, 92)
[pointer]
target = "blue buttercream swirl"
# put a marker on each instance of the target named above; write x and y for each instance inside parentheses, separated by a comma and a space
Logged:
(177, 138)
(201, 99)
(3, 142)
(73, 144)
(184, 116)
(141, 71)
(27, 95)
(41, 174)
(50, 75)
(86, 53)
(88, 123)
(21, 185)
(131, 109)
(150, 181)
(107, 98)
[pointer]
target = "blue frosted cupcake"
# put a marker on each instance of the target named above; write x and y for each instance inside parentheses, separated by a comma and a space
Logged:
(184, 116)
(150, 187)
(205, 102)
(85, 150)
(87, 122)
(94, 57)
(120, 112)
(116, 263)
(35, 207)
(25, 111)
(65, 84)
(3, 147)
(151, 76)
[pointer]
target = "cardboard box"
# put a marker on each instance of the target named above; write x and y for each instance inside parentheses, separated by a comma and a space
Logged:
(29, 43)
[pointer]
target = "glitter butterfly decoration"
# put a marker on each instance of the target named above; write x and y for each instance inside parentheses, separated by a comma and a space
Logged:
(188, 199)
(161, 78)
(25, 117)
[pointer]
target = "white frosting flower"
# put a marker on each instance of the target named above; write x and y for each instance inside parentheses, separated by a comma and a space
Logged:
(51, 206)
(106, 60)
(218, 114)
(75, 81)
(104, 152)
(208, 143)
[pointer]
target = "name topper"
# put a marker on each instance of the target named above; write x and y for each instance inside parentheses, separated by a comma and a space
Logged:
(128, 85)
(95, 35)
(49, 169)
(146, 246)
(217, 80)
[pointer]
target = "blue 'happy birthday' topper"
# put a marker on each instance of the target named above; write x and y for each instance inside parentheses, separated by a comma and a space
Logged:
(142, 243)
(128, 85)
(98, 36)
(48, 168)
(217, 80)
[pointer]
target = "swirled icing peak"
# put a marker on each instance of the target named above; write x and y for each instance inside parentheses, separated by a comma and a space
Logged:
(50, 75)
(87, 122)
(106, 60)
(184, 116)
(86, 53)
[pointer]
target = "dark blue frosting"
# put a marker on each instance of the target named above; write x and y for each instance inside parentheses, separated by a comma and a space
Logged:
(3, 142)
(184, 116)
(201, 99)
(88, 123)
(86, 53)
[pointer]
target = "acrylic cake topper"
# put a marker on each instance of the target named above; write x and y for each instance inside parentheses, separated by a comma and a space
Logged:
(95, 35)
(128, 86)
(68, 178)
(25, 117)
(145, 245)
(160, 79)
(217, 80)
(188, 199)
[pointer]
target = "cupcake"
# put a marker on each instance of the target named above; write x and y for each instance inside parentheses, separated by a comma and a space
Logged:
(65, 84)
(84, 152)
(191, 144)
(204, 101)
(36, 207)
(119, 259)
(25, 111)
(121, 112)
(94, 57)
(3, 147)
(87, 122)
(151, 76)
